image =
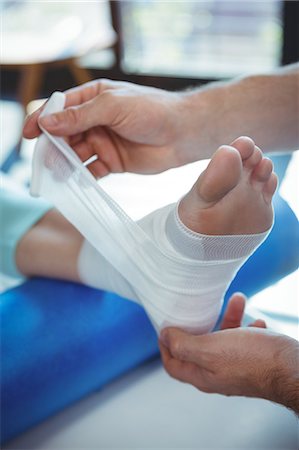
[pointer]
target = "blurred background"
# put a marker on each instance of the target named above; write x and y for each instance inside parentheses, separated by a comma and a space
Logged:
(55, 45)
(166, 43)
(48, 46)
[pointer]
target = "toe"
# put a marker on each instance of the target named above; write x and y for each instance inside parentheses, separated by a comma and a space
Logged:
(245, 146)
(253, 160)
(221, 176)
(262, 170)
(269, 187)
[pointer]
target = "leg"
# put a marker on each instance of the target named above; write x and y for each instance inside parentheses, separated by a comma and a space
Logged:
(50, 248)
(36, 240)
(53, 248)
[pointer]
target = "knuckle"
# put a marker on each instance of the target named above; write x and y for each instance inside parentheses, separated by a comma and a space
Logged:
(106, 95)
(100, 85)
(105, 82)
(73, 115)
(175, 347)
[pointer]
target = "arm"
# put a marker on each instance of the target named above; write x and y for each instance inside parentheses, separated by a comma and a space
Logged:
(252, 362)
(146, 130)
(264, 107)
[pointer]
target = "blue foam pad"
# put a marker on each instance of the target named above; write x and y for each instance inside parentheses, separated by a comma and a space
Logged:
(61, 341)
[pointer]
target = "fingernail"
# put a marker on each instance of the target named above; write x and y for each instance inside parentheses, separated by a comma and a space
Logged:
(49, 121)
(164, 338)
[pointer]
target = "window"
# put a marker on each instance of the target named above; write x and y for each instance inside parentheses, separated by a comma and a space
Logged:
(201, 39)
(48, 30)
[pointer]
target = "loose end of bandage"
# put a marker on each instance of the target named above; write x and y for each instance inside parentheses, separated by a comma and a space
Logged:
(55, 104)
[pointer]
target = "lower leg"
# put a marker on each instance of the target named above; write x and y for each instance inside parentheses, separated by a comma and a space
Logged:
(53, 248)
(36, 240)
(50, 248)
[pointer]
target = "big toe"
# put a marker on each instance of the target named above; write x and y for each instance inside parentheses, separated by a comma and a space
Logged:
(221, 176)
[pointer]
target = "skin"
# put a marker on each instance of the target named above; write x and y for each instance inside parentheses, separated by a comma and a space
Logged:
(130, 128)
(146, 130)
(251, 362)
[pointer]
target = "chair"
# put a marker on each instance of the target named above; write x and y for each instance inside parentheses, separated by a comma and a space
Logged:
(40, 36)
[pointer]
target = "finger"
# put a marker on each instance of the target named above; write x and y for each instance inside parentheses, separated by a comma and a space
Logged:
(83, 150)
(98, 169)
(98, 141)
(183, 371)
(174, 367)
(85, 92)
(259, 323)
(101, 110)
(76, 139)
(74, 96)
(165, 354)
(30, 127)
(184, 346)
(234, 312)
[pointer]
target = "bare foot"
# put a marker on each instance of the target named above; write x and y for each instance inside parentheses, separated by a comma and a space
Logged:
(233, 195)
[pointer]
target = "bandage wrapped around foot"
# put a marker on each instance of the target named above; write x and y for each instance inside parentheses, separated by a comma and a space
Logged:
(178, 276)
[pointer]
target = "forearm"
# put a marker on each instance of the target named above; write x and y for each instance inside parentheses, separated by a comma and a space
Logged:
(284, 382)
(264, 107)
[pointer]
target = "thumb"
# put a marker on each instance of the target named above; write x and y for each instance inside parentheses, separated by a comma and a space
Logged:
(184, 346)
(100, 110)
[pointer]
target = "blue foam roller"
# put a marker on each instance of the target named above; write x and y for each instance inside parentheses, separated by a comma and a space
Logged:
(61, 341)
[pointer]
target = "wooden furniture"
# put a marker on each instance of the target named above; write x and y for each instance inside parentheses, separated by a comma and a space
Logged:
(37, 38)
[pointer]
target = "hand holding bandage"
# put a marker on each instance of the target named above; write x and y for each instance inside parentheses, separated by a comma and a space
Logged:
(130, 128)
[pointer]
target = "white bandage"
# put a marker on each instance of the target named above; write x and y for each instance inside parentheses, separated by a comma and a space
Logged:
(180, 277)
